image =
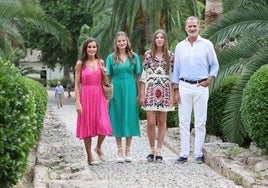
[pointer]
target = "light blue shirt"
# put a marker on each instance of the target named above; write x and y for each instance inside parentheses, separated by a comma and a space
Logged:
(59, 90)
(195, 62)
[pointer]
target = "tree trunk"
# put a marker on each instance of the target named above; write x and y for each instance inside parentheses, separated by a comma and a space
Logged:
(66, 72)
(213, 11)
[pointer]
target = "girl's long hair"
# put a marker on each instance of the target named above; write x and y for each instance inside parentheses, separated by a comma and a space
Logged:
(165, 48)
(129, 51)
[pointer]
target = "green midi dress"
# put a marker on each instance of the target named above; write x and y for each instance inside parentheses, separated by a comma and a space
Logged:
(123, 107)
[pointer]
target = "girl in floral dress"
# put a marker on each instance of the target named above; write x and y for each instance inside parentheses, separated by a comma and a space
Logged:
(156, 95)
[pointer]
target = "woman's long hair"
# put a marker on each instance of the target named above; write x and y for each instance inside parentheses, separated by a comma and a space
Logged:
(165, 48)
(84, 55)
(129, 51)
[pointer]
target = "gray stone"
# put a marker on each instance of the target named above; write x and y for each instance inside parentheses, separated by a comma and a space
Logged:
(61, 160)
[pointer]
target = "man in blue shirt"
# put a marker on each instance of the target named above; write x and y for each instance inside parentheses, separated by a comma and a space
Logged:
(59, 93)
(196, 65)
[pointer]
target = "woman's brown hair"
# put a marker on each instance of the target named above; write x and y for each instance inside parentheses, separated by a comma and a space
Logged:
(129, 51)
(84, 55)
(165, 48)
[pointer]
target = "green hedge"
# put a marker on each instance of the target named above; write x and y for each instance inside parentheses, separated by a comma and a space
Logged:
(216, 104)
(255, 107)
(40, 96)
(18, 120)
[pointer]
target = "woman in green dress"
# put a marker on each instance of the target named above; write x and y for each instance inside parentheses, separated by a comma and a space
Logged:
(124, 69)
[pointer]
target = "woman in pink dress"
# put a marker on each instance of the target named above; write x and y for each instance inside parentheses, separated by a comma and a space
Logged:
(91, 105)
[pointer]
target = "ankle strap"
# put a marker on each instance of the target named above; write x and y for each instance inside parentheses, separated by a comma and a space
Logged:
(158, 151)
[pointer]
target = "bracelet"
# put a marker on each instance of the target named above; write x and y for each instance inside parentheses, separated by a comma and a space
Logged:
(176, 89)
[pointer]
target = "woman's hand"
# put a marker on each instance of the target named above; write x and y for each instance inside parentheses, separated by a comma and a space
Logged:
(177, 98)
(78, 108)
(103, 70)
(141, 100)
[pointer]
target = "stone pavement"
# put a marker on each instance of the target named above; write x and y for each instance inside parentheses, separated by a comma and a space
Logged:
(61, 160)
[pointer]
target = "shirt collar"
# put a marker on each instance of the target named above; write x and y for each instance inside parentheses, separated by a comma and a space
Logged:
(198, 38)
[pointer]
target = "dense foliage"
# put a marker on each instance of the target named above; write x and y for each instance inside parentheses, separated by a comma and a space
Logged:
(254, 107)
(240, 35)
(140, 19)
(70, 13)
(16, 16)
(40, 98)
(21, 116)
(216, 103)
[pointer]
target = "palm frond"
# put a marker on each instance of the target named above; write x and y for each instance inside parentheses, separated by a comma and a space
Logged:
(229, 5)
(193, 7)
(50, 25)
(26, 70)
(224, 73)
(232, 115)
(234, 23)
(16, 14)
(232, 60)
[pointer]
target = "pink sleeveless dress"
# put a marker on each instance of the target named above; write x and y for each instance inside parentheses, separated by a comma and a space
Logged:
(94, 119)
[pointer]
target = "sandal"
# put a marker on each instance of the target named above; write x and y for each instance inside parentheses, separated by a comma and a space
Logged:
(93, 162)
(158, 157)
(150, 157)
(120, 158)
(100, 154)
(128, 156)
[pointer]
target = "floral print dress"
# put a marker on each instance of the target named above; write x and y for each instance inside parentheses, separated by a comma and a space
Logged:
(157, 83)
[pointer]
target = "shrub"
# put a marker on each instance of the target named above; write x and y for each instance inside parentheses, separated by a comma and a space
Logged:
(173, 118)
(23, 103)
(216, 104)
(16, 116)
(255, 107)
(142, 113)
(40, 97)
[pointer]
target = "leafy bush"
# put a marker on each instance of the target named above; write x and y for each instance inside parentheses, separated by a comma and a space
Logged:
(16, 116)
(173, 118)
(40, 96)
(142, 113)
(18, 121)
(255, 107)
(216, 104)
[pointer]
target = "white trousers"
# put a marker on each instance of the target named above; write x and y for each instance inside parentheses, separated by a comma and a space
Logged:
(193, 99)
